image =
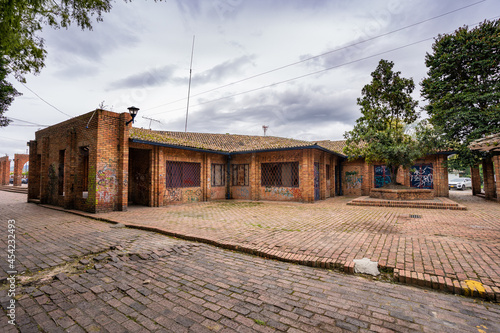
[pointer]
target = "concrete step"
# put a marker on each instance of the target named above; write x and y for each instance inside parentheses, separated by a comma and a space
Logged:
(15, 189)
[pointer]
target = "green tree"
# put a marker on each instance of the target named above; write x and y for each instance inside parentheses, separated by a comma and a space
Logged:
(387, 109)
(463, 86)
(7, 94)
(21, 48)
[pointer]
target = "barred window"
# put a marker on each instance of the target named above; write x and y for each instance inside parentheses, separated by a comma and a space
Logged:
(182, 174)
(285, 174)
(218, 174)
(240, 174)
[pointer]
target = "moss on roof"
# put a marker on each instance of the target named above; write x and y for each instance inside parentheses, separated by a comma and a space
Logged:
(230, 143)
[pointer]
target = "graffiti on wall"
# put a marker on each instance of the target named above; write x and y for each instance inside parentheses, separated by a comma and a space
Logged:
(353, 180)
(421, 176)
(107, 184)
(241, 192)
(192, 195)
(284, 192)
(172, 195)
(382, 175)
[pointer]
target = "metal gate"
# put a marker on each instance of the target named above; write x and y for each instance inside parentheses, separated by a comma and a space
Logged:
(316, 181)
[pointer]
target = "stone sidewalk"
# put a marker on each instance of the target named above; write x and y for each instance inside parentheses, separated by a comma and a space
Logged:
(82, 275)
(456, 251)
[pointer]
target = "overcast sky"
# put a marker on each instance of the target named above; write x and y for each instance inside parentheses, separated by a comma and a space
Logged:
(296, 66)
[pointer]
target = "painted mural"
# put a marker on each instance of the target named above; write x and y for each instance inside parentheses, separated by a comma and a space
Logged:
(382, 175)
(352, 180)
(107, 185)
(421, 176)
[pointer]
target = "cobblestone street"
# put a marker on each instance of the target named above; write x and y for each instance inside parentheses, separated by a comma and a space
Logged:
(83, 275)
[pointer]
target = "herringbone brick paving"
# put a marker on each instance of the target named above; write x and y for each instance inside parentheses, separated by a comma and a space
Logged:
(138, 281)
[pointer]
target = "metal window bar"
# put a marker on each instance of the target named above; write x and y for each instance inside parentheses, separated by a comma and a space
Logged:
(240, 174)
(282, 174)
(182, 174)
(218, 175)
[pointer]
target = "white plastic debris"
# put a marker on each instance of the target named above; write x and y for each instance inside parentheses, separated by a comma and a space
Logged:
(366, 266)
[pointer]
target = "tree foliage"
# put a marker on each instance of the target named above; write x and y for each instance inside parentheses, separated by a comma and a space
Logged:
(21, 48)
(387, 109)
(463, 86)
(7, 94)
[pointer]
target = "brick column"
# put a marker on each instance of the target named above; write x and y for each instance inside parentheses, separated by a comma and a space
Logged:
(254, 178)
(154, 190)
(44, 171)
(19, 161)
(123, 155)
(4, 170)
(441, 177)
(496, 163)
(476, 180)
(306, 175)
(489, 180)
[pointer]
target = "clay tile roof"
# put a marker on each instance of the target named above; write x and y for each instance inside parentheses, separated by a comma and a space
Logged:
(489, 143)
(335, 146)
(230, 143)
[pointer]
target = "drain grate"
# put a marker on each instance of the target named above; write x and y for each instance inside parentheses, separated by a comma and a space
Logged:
(413, 216)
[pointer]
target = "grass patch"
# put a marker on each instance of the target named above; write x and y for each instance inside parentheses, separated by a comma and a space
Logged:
(260, 322)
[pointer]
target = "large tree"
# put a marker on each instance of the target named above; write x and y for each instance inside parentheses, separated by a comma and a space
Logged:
(463, 86)
(387, 109)
(21, 48)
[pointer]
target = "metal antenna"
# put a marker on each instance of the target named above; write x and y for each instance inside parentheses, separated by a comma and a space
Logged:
(265, 127)
(150, 120)
(189, 86)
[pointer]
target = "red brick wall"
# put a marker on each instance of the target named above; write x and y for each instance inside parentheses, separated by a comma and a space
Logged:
(358, 177)
(105, 179)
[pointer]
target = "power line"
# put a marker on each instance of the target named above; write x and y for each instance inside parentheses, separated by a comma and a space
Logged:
(320, 55)
(64, 113)
(28, 122)
(313, 73)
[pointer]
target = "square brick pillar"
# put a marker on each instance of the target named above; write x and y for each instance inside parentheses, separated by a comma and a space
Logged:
(496, 164)
(306, 175)
(476, 180)
(4, 170)
(489, 180)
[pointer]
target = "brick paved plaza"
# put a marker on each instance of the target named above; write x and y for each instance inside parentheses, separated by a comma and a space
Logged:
(436, 248)
(87, 275)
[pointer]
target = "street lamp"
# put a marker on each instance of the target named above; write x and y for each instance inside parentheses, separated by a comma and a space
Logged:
(133, 112)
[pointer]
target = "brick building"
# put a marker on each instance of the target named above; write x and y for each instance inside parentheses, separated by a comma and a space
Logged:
(96, 163)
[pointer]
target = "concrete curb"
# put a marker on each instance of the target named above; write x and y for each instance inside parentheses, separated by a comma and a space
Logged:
(436, 282)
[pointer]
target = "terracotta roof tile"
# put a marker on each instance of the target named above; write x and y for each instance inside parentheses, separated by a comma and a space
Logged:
(488, 143)
(230, 143)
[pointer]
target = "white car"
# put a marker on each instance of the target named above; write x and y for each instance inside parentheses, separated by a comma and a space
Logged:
(460, 183)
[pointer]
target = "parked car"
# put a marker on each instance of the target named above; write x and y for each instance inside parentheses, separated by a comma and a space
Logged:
(11, 181)
(460, 183)
(24, 181)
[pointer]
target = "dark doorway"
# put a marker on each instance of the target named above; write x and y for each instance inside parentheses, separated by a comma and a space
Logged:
(139, 176)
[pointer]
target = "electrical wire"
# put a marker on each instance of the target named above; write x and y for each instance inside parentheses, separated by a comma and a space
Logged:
(319, 55)
(64, 113)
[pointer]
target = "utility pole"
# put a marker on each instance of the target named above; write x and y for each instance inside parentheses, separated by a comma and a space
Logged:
(189, 86)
